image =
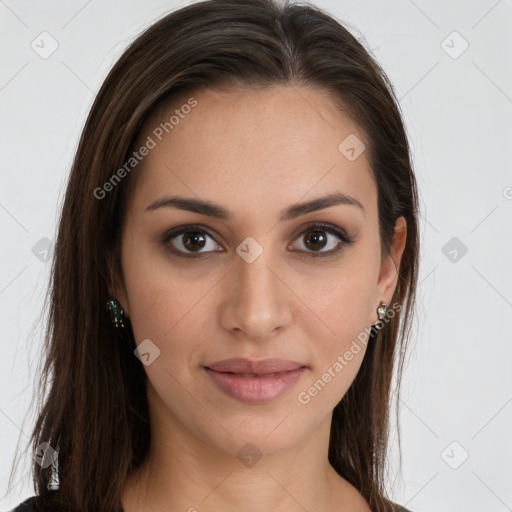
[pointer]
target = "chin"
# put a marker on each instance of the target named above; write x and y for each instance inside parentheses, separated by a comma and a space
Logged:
(256, 437)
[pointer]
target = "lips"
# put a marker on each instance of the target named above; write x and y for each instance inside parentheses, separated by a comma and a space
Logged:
(240, 365)
(255, 381)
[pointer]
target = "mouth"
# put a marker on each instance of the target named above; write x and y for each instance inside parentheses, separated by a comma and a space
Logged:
(255, 381)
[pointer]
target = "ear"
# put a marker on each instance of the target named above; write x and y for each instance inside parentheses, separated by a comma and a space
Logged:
(388, 276)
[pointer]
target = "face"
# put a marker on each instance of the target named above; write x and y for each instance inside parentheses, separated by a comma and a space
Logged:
(260, 282)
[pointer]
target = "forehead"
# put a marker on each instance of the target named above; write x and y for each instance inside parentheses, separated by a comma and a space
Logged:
(245, 148)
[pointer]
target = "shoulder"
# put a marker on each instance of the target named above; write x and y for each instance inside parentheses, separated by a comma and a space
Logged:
(32, 504)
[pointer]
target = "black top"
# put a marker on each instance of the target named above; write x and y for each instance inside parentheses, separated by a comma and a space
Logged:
(33, 504)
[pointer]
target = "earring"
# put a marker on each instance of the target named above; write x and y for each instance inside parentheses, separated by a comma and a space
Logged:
(116, 312)
(54, 484)
(382, 309)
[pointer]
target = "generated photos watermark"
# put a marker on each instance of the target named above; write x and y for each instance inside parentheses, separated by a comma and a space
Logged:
(304, 397)
(137, 156)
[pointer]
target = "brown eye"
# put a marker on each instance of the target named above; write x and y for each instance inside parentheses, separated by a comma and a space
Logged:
(323, 240)
(188, 240)
(193, 241)
(315, 240)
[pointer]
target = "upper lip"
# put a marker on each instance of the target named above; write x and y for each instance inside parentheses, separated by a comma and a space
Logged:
(241, 365)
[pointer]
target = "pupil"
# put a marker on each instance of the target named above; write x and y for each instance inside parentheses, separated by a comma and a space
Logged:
(192, 238)
(318, 240)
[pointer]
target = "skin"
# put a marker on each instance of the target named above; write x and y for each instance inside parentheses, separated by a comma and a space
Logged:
(255, 153)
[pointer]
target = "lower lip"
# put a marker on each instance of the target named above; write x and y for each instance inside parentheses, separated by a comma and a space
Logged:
(255, 389)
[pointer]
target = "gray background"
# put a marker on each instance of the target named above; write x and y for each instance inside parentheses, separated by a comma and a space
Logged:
(457, 392)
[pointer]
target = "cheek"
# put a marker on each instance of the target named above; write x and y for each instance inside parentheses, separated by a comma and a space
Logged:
(339, 306)
(342, 307)
(165, 304)
(338, 355)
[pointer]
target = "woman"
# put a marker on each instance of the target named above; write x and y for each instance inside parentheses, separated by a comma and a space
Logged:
(242, 200)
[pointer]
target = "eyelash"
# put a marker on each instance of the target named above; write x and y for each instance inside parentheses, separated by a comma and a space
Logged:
(196, 228)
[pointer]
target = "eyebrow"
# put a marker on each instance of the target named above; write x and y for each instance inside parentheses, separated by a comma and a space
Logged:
(219, 212)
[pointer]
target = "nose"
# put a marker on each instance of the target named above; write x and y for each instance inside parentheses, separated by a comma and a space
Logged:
(257, 303)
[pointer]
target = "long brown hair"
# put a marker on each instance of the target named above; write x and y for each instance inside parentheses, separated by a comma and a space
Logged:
(92, 403)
